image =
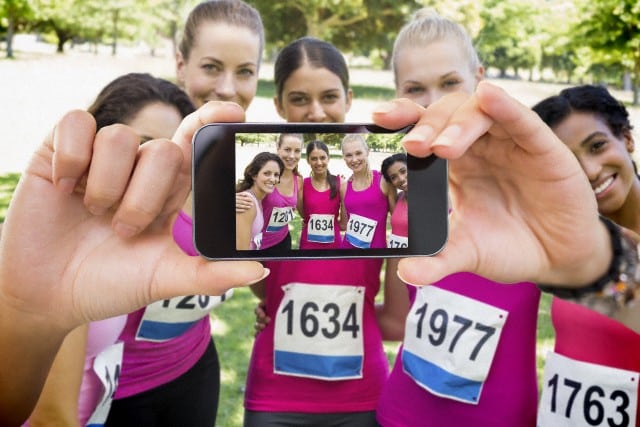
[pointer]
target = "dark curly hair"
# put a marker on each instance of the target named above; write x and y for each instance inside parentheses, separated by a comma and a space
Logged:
(586, 99)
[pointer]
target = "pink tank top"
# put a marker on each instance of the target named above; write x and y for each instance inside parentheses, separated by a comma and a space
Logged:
(149, 364)
(509, 395)
(370, 204)
(269, 391)
(588, 336)
(400, 217)
(319, 202)
(272, 235)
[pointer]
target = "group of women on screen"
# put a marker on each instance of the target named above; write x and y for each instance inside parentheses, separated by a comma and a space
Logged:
(335, 212)
(468, 353)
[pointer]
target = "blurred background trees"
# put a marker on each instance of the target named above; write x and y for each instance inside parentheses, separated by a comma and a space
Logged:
(574, 41)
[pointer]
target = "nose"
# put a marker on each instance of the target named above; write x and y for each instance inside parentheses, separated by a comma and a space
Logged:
(591, 167)
(316, 112)
(225, 87)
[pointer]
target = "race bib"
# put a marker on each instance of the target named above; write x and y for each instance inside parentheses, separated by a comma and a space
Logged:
(170, 318)
(360, 231)
(450, 341)
(280, 218)
(577, 393)
(107, 366)
(318, 332)
(320, 228)
(398, 241)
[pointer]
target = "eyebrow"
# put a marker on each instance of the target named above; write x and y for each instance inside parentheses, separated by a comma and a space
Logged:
(592, 136)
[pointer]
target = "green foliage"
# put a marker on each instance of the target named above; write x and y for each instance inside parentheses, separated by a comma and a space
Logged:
(7, 186)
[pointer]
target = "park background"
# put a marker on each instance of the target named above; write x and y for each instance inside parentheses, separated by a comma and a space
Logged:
(57, 54)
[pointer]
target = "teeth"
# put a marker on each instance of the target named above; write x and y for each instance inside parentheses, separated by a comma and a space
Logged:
(600, 188)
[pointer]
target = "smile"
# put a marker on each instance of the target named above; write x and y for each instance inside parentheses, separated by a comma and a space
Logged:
(602, 187)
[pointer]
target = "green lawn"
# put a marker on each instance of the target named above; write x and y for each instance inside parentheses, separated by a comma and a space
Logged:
(232, 325)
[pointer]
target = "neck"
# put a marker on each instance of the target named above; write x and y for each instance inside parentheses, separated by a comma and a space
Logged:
(628, 215)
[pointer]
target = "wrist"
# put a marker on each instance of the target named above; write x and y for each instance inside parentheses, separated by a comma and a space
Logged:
(616, 288)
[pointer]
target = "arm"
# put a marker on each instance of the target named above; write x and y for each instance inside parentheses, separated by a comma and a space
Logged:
(84, 202)
(391, 193)
(300, 204)
(344, 218)
(58, 403)
(392, 313)
(244, 222)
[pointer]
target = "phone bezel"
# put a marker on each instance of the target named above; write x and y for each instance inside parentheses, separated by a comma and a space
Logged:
(214, 205)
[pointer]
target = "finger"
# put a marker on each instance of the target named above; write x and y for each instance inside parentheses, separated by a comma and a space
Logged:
(185, 275)
(152, 192)
(72, 146)
(211, 112)
(114, 156)
(516, 120)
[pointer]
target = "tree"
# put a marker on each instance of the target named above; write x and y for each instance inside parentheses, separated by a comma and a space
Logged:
(505, 40)
(611, 28)
(16, 13)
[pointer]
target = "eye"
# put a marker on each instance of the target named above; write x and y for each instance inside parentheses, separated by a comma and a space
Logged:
(246, 72)
(413, 90)
(299, 100)
(211, 68)
(598, 146)
(450, 83)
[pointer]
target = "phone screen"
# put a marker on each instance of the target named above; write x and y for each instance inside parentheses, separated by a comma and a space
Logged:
(243, 210)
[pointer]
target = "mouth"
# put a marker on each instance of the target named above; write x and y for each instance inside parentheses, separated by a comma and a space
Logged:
(602, 187)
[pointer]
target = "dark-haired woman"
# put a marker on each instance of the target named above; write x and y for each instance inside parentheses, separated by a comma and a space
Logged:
(320, 204)
(596, 345)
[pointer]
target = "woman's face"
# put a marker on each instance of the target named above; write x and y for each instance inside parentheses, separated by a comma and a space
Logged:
(154, 121)
(267, 178)
(425, 74)
(355, 155)
(290, 150)
(604, 157)
(313, 95)
(398, 174)
(222, 66)
(319, 161)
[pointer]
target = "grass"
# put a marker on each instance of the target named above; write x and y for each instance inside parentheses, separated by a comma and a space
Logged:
(266, 89)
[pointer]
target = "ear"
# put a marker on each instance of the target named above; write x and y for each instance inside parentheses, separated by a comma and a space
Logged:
(480, 73)
(348, 100)
(180, 69)
(279, 109)
(628, 141)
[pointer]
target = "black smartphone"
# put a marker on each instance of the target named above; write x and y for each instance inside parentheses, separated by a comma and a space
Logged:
(224, 153)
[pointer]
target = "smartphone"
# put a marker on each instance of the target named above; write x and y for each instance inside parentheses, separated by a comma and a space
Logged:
(222, 152)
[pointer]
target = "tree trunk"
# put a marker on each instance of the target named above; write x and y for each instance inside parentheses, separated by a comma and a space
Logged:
(10, 31)
(114, 44)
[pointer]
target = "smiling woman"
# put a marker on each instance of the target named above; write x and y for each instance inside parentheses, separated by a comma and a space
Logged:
(260, 179)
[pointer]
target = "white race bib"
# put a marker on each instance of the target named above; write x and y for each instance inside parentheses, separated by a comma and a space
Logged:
(360, 231)
(107, 366)
(170, 318)
(396, 241)
(450, 341)
(280, 218)
(320, 228)
(318, 332)
(577, 393)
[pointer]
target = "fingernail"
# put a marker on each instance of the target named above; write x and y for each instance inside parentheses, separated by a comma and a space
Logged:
(265, 273)
(420, 133)
(448, 136)
(96, 210)
(125, 230)
(406, 281)
(67, 185)
(384, 107)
